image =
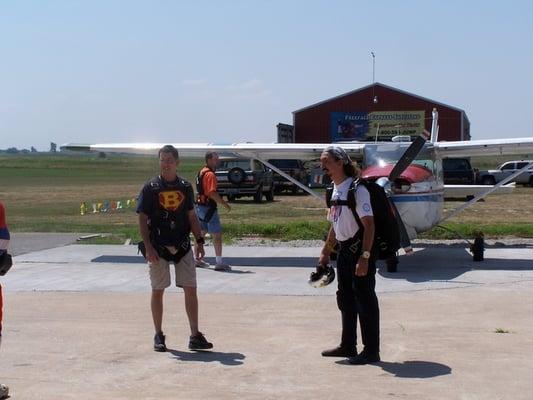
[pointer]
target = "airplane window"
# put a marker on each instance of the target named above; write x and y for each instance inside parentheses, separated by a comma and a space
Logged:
(428, 164)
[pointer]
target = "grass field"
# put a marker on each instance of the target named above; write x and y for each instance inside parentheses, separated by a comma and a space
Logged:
(42, 193)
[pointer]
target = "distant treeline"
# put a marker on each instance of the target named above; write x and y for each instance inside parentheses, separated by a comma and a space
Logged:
(14, 150)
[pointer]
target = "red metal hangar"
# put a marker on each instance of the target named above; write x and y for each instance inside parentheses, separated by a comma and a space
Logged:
(374, 111)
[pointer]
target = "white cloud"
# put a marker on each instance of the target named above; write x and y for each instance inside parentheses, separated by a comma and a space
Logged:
(253, 88)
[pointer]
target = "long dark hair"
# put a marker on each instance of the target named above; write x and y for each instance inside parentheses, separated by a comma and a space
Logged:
(351, 170)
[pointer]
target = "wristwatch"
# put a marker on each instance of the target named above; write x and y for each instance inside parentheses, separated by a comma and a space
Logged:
(200, 240)
(366, 255)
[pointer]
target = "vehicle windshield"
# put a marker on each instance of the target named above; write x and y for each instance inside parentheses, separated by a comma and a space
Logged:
(228, 164)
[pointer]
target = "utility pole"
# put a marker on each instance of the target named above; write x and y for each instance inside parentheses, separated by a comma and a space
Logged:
(374, 97)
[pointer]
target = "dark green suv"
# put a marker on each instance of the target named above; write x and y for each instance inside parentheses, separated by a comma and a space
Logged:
(239, 177)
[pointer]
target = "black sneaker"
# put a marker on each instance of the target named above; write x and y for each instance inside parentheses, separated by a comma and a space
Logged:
(340, 351)
(365, 357)
(159, 342)
(199, 342)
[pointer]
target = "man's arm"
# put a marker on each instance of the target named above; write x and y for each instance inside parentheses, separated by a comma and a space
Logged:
(361, 269)
(328, 247)
(151, 253)
(216, 197)
(196, 230)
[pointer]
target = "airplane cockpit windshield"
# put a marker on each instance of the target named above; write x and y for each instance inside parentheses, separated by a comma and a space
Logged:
(382, 155)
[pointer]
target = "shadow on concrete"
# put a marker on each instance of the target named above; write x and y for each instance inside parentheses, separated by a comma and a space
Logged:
(233, 261)
(446, 263)
(415, 369)
(409, 369)
(231, 359)
(234, 271)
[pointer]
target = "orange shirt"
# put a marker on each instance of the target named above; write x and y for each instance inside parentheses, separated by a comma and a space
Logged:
(209, 182)
(2, 216)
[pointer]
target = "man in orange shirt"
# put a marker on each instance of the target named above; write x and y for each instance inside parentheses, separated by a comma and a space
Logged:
(206, 208)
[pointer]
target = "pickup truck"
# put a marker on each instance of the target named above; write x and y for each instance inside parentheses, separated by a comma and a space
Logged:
(493, 176)
(458, 171)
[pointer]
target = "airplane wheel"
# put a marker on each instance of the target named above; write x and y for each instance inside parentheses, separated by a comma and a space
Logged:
(392, 264)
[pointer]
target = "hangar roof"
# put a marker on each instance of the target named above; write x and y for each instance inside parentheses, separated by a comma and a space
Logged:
(386, 87)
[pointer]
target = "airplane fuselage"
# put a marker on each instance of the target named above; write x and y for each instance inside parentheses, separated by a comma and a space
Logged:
(418, 192)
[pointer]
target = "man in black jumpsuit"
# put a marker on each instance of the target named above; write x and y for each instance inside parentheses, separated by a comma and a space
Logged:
(356, 268)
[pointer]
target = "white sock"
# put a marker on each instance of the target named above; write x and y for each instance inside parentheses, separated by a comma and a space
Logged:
(219, 260)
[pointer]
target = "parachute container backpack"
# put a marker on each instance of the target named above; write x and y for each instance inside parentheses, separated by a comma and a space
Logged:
(387, 233)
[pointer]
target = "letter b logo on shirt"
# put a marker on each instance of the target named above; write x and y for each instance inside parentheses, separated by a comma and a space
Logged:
(171, 200)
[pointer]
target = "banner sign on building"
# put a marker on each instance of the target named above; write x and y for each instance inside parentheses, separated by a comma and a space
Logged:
(363, 126)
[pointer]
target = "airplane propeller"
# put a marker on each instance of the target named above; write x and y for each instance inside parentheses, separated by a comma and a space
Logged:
(407, 158)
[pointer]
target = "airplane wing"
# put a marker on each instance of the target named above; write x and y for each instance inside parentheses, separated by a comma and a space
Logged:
(264, 151)
(307, 151)
(489, 147)
(467, 191)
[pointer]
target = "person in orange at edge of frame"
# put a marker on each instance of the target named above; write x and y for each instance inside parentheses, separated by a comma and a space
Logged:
(4, 243)
(206, 209)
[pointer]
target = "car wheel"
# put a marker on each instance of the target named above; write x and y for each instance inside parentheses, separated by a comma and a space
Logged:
(270, 194)
(488, 180)
(236, 175)
(531, 181)
(258, 196)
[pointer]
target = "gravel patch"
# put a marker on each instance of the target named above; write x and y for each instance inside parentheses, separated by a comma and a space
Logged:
(505, 242)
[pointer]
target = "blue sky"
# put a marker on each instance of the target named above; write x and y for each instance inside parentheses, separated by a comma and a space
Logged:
(229, 71)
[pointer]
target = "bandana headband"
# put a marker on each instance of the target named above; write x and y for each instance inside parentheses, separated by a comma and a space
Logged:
(338, 153)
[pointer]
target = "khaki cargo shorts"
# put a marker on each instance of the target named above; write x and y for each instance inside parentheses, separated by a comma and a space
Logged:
(185, 272)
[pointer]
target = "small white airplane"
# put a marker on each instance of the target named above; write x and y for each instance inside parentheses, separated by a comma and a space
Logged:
(410, 172)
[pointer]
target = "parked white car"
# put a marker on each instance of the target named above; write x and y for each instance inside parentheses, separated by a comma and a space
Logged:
(493, 176)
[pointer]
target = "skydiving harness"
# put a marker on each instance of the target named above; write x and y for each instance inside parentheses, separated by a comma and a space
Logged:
(169, 229)
(386, 232)
(202, 199)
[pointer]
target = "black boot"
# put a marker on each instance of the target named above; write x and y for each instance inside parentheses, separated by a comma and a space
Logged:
(347, 348)
(340, 351)
(365, 357)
